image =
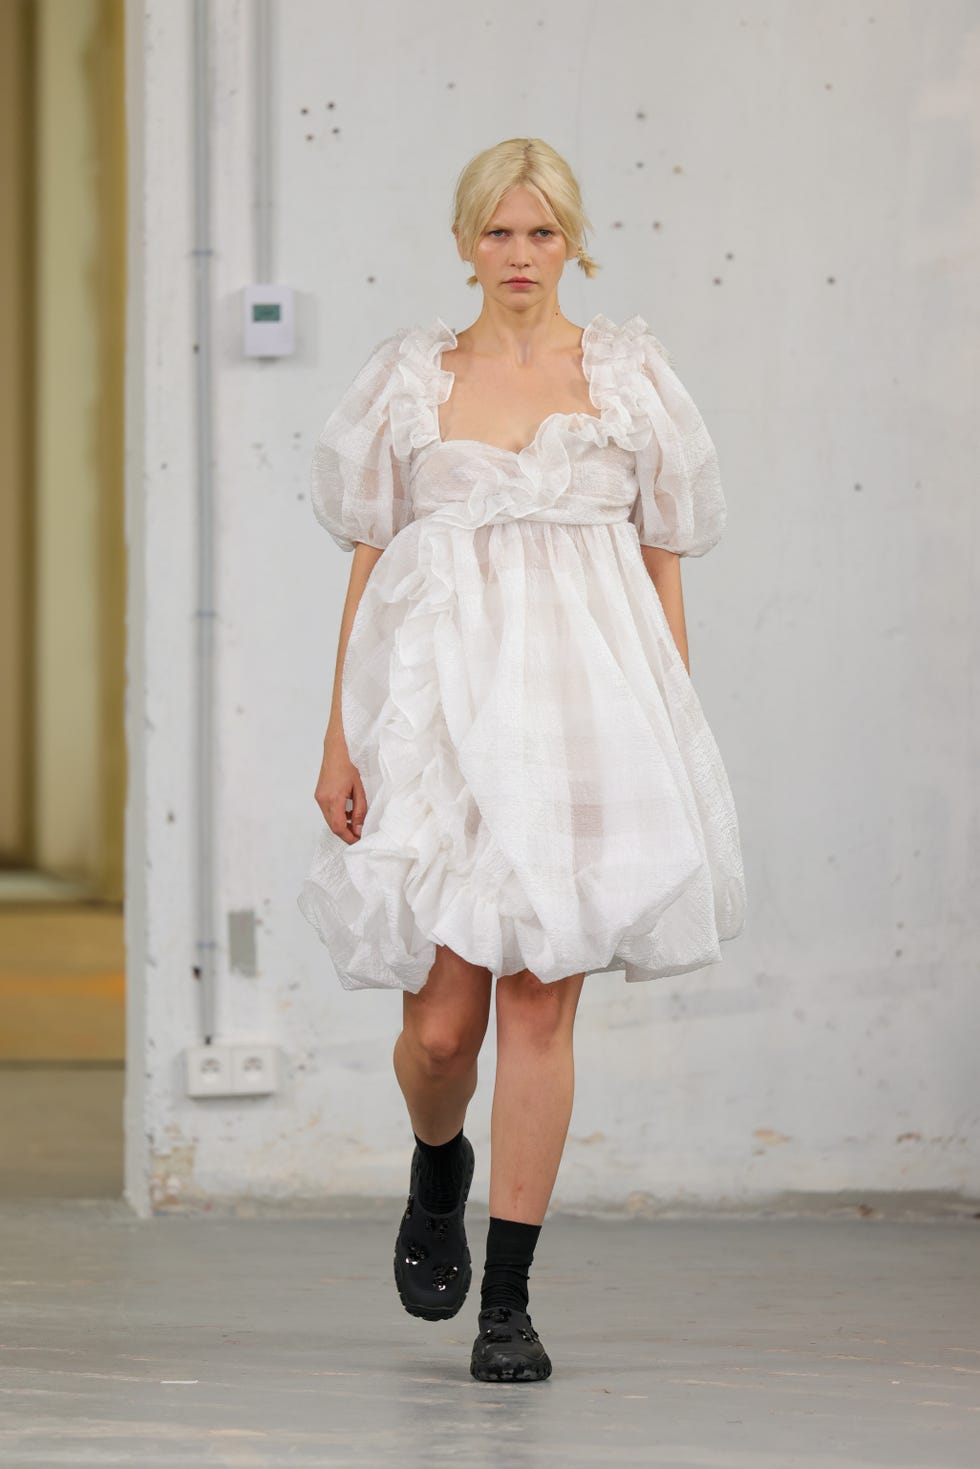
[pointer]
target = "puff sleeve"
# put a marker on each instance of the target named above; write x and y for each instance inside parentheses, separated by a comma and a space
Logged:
(680, 505)
(358, 487)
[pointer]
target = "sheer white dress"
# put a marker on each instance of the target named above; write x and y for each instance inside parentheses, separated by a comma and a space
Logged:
(543, 788)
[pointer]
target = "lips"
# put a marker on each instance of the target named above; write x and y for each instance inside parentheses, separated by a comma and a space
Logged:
(518, 280)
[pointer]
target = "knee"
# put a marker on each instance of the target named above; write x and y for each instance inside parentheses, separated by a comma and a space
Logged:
(535, 1014)
(441, 1047)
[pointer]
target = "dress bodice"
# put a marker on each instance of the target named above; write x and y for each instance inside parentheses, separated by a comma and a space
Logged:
(645, 458)
(579, 468)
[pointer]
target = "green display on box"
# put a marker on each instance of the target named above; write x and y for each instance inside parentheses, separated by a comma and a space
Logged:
(266, 311)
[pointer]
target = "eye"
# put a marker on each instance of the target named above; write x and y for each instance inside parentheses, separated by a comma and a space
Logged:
(544, 231)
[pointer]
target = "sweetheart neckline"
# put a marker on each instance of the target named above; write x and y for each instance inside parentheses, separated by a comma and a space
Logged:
(440, 442)
(498, 448)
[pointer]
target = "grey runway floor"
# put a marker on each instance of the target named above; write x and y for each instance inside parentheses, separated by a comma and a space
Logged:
(721, 1344)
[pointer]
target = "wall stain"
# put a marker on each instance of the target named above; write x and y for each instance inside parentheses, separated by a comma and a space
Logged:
(171, 1172)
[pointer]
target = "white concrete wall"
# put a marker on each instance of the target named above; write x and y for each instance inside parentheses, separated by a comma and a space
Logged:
(788, 194)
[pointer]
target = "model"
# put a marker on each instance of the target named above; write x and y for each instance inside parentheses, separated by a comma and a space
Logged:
(534, 793)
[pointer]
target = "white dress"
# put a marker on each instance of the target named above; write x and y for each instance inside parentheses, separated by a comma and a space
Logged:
(543, 788)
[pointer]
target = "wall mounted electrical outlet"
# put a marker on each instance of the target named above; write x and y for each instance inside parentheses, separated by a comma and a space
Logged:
(242, 1070)
(254, 1070)
(208, 1071)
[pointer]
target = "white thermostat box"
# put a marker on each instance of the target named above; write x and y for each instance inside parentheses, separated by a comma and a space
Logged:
(269, 321)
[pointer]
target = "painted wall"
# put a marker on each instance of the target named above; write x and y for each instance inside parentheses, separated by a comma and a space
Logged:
(789, 198)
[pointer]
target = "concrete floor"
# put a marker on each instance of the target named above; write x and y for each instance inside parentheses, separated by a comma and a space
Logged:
(252, 1342)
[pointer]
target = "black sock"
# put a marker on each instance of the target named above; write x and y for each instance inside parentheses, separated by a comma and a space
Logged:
(510, 1250)
(441, 1168)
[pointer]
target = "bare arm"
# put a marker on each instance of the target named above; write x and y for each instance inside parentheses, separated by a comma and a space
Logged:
(364, 560)
(665, 573)
(339, 778)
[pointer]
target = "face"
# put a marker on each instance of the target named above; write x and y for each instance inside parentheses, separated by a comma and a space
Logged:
(521, 239)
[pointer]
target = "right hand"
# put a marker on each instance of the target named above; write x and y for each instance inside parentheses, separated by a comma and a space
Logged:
(338, 780)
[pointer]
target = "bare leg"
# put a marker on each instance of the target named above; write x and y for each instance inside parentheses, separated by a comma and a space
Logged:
(533, 1092)
(435, 1055)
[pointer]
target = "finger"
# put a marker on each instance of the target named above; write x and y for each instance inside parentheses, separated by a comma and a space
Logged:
(335, 816)
(358, 809)
(358, 803)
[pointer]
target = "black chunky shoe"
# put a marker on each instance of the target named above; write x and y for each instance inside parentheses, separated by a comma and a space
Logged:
(432, 1259)
(508, 1349)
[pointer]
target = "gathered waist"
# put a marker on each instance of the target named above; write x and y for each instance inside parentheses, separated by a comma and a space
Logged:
(455, 517)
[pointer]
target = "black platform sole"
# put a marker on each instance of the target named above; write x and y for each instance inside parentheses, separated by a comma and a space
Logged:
(508, 1349)
(519, 1372)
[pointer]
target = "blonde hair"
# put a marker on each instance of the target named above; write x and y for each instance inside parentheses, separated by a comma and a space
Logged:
(531, 164)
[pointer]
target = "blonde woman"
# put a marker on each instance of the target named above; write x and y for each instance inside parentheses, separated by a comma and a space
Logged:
(518, 781)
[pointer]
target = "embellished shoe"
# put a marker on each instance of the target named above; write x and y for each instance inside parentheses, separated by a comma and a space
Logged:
(432, 1259)
(508, 1349)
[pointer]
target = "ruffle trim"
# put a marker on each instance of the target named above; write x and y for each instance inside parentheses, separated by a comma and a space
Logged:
(514, 484)
(612, 363)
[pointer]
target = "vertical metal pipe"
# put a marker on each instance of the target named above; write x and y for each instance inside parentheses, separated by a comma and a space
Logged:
(262, 95)
(205, 612)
